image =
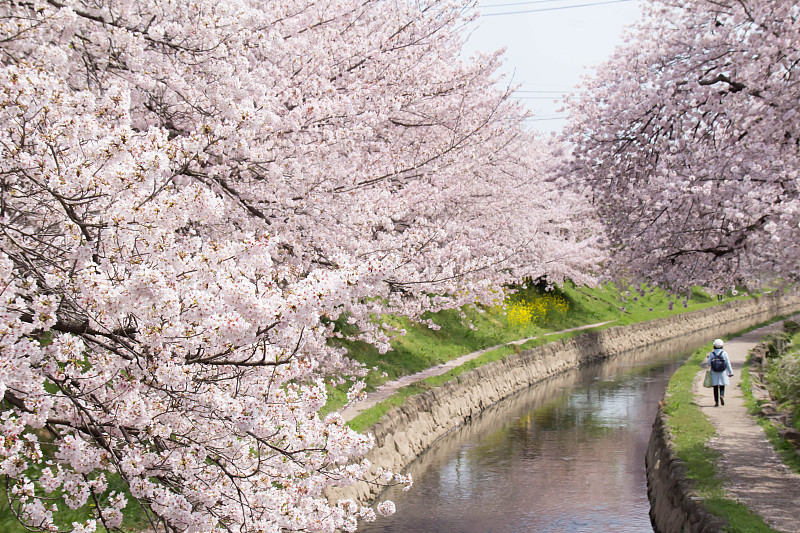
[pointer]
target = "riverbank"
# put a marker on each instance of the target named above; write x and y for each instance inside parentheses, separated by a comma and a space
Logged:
(386, 390)
(744, 487)
(408, 430)
(520, 322)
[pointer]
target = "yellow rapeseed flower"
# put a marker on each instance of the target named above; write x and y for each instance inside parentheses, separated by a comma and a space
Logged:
(523, 311)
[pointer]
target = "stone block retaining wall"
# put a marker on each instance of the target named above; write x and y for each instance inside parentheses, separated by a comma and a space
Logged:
(407, 431)
(674, 504)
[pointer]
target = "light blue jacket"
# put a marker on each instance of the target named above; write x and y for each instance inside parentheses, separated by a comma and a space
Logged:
(720, 378)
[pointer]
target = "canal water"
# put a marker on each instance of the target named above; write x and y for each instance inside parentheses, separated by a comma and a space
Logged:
(566, 455)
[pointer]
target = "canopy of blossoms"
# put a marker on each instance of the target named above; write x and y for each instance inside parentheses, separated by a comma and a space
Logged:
(191, 193)
(689, 137)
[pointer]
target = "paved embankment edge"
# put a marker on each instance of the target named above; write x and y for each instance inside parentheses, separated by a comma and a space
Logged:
(675, 506)
(407, 431)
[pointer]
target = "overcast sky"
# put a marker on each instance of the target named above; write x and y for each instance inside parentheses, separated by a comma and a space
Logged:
(549, 45)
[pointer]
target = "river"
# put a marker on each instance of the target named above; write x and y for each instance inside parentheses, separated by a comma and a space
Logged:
(565, 455)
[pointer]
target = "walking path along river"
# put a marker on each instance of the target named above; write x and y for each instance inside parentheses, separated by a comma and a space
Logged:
(753, 472)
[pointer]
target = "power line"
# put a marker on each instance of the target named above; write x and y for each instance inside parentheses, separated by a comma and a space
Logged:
(539, 86)
(553, 8)
(535, 86)
(543, 119)
(538, 118)
(541, 92)
(511, 4)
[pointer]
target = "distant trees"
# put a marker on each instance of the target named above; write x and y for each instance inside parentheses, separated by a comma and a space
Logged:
(689, 137)
(191, 192)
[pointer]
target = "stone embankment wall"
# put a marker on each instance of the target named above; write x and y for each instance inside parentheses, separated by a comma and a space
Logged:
(407, 431)
(674, 505)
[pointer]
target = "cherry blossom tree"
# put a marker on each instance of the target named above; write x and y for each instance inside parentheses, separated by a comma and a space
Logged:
(191, 194)
(689, 137)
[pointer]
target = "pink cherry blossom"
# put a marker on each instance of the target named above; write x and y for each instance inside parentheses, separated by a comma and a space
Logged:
(688, 137)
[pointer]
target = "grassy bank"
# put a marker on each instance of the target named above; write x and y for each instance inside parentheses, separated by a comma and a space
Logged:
(532, 312)
(370, 416)
(784, 448)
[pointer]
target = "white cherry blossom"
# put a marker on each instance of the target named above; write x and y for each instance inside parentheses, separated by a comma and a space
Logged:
(192, 192)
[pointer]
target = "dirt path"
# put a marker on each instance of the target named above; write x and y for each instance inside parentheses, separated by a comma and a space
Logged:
(390, 387)
(754, 473)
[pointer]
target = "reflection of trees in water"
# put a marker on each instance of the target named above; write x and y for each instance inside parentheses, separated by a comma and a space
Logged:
(592, 410)
(555, 405)
(548, 425)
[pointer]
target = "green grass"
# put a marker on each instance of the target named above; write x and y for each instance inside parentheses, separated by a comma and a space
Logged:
(689, 427)
(370, 417)
(691, 431)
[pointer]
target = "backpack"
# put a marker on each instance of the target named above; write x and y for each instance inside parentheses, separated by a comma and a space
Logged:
(717, 362)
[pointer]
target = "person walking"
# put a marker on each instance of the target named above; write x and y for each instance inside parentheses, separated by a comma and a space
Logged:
(721, 370)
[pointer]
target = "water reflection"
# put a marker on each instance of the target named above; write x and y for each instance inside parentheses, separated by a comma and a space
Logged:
(566, 455)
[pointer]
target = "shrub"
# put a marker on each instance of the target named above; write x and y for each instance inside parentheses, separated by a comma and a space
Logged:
(791, 327)
(526, 309)
(783, 376)
(777, 344)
